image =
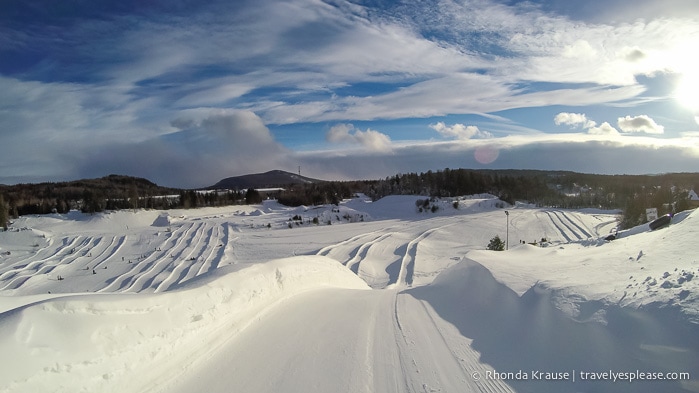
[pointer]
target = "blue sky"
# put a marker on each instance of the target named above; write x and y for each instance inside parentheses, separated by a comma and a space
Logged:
(187, 92)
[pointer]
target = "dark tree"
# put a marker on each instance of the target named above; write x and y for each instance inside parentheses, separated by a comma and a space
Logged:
(496, 244)
(3, 213)
(253, 197)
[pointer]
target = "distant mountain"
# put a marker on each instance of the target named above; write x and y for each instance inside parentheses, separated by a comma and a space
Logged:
(276, 178)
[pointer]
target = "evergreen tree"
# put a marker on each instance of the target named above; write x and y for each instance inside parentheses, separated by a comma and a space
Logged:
(681, 201)
(133, 197)
(3, 213)
(496, 244)
(252, 197)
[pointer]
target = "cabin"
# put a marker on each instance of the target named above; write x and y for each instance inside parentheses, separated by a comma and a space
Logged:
(693, 199)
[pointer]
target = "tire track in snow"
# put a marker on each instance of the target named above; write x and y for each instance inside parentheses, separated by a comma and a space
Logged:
(434, 358)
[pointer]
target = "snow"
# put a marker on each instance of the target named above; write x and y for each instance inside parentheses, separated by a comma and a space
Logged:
(384, 299)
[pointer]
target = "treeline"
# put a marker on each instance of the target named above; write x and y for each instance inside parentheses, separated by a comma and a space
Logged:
(113, 192)
(107, 193)
(631, 193)
(455, 182)
(321, 193)
(445, 183)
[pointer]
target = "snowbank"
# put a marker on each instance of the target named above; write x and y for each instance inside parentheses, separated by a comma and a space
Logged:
(125, 342)
(529, 333)
(641, 268)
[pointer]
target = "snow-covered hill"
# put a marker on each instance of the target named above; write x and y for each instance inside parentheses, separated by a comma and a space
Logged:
(251, 298)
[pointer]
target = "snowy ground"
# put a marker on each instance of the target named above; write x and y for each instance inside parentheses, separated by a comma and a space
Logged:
(385, 299)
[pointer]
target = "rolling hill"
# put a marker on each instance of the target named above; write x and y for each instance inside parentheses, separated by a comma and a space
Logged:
(275, 178)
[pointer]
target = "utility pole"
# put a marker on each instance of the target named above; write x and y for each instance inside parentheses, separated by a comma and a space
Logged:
(507, 236)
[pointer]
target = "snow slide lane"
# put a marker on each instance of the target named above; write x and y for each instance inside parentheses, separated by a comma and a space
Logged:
(341, 340)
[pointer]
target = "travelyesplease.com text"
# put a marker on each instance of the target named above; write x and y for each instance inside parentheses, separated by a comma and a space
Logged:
(578, 375)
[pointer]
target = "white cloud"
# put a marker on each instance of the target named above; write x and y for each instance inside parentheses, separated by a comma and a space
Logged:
(604, 129)
(372, 140)
(573, 120)
(459, 131)
(640, 123)
(339, 133)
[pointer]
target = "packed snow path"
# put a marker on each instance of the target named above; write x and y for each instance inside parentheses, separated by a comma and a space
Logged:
(366, 341)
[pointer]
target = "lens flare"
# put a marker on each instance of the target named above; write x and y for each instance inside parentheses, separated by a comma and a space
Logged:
(486, 154)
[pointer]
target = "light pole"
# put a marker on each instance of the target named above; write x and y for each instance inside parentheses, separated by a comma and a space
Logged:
(507, 236)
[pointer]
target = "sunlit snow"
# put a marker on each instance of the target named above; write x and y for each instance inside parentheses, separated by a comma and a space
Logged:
(375, 297)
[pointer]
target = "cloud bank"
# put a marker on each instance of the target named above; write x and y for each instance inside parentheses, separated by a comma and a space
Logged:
(200, 151)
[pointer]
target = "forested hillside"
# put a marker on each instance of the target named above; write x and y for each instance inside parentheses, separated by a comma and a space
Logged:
(630, 193)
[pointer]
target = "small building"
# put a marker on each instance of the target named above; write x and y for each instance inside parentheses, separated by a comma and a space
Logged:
(693, 199)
